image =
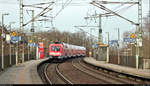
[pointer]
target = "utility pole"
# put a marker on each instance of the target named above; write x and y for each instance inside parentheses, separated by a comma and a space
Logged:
(2, 40)
(2, 43)
(17, 50)
(108, 49)
(28, 50)
(32, 28)
(139, 33)
(91, 38)
(149, 28)
(22, 28)
(10, 43)
(118, 46)
(100, 38)
(108, 37)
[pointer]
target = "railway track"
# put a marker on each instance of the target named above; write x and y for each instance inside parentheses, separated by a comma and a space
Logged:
(105, 77)
(77, 72)
(48, 78)
(92, 75)
(123, 77)
(42, 71)
(77, 76)
(62, 76)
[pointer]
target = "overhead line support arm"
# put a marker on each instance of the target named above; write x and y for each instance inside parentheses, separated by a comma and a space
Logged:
(40, 14)
(110, 2)
(108, 10)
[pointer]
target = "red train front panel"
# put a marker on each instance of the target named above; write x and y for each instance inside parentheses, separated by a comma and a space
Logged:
(55, 51)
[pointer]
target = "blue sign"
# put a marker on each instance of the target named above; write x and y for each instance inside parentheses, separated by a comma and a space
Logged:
(131, 40)
(113, 42)
(33, 45)
(15, 39)
(95, 46)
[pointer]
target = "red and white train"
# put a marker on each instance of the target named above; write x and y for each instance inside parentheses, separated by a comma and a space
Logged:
(60, 50)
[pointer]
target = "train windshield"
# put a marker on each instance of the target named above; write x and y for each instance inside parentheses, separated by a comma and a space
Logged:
(55, 48)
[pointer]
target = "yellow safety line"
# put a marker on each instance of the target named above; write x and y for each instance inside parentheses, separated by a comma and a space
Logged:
(22, 76)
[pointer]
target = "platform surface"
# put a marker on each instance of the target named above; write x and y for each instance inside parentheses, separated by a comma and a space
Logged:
(22, 74)
(118, 68)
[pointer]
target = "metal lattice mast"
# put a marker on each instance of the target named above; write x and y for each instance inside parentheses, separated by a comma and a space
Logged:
(32, 26)
(139, 27)
(149, 27)
(140, 16)
(32, 29)
(32, 21)
(21, 27)
(100, 38)
(21, 15)
(139, 33)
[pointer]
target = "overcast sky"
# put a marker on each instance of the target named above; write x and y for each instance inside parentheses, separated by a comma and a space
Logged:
(74, 16)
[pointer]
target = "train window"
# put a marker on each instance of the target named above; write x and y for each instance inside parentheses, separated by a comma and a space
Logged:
(55, 48)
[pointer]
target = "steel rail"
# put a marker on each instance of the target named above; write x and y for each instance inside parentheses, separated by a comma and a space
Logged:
(127, 75)
(115, 78)
(45, 73)
(41, 69)
(62, 76)
(105, 82)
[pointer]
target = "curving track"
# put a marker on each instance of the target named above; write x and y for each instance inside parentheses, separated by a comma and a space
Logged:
(42, 71)
(75, 71)
(62, 76)
(104, 76)
(77, 76)
(50, 74)
(113, 75)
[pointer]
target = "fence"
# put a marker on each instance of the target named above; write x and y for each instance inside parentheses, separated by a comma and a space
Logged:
(129, 61)
(13, 60)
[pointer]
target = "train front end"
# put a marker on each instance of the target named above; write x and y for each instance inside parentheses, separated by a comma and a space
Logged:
(55, 51)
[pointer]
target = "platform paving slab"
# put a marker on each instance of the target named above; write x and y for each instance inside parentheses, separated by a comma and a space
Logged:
(118, 68)
(22, 73)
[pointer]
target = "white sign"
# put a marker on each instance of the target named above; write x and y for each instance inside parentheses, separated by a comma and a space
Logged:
(139, 42)
(8, 38)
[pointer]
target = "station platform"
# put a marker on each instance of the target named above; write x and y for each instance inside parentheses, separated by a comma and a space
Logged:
(22, 73)
(144, 73)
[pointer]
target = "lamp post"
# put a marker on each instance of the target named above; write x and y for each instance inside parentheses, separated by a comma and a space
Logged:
(2, 40)
(28, 49)
(118, 45)
(10, 43)
(108, 37)
(108, 49)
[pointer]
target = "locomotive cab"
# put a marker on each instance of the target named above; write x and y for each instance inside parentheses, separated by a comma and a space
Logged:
(55, 51)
